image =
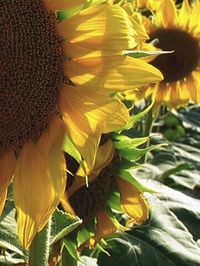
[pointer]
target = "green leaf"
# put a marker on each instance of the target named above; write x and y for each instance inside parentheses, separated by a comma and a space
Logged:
(176, 169)
(168, 239)
(71, 248)
(133, 154)
(186, 208)
(8, 231)
(62, 225)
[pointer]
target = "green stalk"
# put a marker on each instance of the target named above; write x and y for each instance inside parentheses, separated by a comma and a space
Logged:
(39, 249)
(67, 259)
(146, 132)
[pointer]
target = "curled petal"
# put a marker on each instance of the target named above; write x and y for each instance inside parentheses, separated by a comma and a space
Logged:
(88, 114)
(104, 227)
(132, 202)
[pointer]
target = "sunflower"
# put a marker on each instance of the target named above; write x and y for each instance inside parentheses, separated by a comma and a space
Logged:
(176, 30)
(89, 201)
(56, 78)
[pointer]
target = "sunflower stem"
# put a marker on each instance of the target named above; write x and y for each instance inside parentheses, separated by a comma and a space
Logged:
(147, 132)
(67, 259)
(39, 249)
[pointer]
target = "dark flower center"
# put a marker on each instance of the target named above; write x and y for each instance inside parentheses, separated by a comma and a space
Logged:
(30, 71)
(86, 201)
(183, 60)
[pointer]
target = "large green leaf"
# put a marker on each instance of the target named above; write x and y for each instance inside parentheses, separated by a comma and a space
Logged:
(8, 231)
(168, 238)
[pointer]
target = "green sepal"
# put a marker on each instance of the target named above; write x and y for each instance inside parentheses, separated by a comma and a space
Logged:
(85, 233)
(136, 117)
(122, 142)
(140, 53)
(128, 176)
(114, 201)
(71, 247)
(133, 154)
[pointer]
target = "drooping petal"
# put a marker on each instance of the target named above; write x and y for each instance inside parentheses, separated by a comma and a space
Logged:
(104, 156)
(87, 114)
(132, 202)
(7, 167)
(86, 144)
(39, 183)
(104, 227)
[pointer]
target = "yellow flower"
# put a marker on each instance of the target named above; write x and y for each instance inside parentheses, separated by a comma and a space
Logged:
(89, 201)
(56, 78)
(176, 30)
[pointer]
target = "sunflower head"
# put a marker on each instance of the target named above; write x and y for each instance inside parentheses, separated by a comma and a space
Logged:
(94, 200)
(31, 71)
(176, 29)
(49, 69)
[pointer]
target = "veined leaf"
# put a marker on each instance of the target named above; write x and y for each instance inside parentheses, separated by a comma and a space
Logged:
(168, 239)
(8, 231)
(62, 225)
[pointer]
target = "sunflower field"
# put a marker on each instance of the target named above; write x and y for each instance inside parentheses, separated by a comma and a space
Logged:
(100, 132)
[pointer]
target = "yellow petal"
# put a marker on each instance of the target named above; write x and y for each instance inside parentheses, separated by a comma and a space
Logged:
(167, 14)
(113, 73)
(104, 156)
(104, 227)
(193, 22)
(39, 183)
(132, 202)
(86, 144)
(87, 114)
(66, 205)
(184, 14)
(93, 28)
(7, 166)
